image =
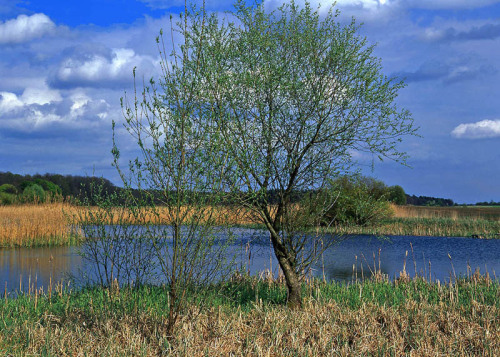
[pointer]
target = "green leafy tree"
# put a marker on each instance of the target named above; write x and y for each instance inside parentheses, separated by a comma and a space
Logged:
(8, 188)
(49, 187)
(358, 202)
(292, 95)
(33, 194)
(178, 174)
(397, 195)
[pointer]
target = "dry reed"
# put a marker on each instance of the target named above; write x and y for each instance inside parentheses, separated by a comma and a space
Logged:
(323, 327)
(455, 213)
(50, 224)
(35, 225)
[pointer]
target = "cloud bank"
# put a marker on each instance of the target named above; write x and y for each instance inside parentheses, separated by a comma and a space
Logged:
(25, 28)
(480, 130)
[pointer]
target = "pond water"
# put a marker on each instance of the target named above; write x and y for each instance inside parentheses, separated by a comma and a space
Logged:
(433, 257)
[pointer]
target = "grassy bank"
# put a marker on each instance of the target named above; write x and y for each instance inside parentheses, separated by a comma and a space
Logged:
(50, 224)
(249, 318)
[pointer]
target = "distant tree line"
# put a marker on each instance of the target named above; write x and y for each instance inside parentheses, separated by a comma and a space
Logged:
(428, 201)
(491, 203)
(26, 188)
(15, 188)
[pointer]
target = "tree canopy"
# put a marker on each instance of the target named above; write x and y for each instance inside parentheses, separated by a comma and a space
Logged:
(292, 95)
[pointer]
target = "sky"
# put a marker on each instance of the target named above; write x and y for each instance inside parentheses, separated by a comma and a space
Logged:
(64, 65)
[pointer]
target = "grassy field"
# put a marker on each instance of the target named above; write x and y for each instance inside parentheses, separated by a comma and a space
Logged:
(248, 317)
(50, 224)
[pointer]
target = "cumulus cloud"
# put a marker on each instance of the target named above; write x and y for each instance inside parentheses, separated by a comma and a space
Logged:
(36, 109)
(101, 69)
(480, 130)
(373, 5)
(25, 28)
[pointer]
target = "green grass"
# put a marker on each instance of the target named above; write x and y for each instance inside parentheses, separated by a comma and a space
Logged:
(97, 321)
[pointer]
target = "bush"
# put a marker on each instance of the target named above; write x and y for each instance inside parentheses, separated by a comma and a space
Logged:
(8, 188)
(359, 201)
(49, 187)
(7, 198)
(397, 195)
(33, 194)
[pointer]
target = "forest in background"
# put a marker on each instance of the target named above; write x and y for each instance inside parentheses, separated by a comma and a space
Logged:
(79, 187)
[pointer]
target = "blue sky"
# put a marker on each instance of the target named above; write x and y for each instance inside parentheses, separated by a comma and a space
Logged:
(65, 64)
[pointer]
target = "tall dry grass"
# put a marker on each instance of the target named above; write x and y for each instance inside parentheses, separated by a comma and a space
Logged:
(51, 223)
(455, 213)
(35, 225)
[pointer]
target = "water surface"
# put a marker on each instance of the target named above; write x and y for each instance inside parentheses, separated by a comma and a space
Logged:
(433, 257)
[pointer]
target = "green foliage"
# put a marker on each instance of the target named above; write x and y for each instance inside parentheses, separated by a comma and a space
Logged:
(49, 187)
(397, 195)
(8, 188)
(291, 94)
(7, 198)
(33, 194)
(359, 201)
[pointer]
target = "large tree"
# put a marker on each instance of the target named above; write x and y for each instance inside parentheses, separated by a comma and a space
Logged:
(293, 94)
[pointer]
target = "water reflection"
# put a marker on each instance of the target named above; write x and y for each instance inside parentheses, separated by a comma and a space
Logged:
(21, 267)
(353, 257)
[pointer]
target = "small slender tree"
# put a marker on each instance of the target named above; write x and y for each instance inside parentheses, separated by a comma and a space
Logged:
(173, 188)
(293, 94)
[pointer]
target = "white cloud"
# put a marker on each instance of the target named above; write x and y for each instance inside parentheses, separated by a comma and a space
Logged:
(25, 28)
(381, 6)
(101, 70)
(481, 129)
(37, 108)
(8, 102)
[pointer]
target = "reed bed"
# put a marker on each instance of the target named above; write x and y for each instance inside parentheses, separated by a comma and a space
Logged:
(455, 213)
(434, 227)
(51, 224)
(249, 318)
(36, 225)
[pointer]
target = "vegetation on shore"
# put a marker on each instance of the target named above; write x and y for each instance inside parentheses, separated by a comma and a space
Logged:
(249, 317)
(49, 224)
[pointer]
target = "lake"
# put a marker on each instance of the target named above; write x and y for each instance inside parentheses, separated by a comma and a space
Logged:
(433, 257)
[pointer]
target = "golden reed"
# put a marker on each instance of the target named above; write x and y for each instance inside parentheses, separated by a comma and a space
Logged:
(51, 223)
(455, 213)
(35, 225)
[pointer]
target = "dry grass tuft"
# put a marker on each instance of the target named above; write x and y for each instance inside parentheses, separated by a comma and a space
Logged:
(318, 329)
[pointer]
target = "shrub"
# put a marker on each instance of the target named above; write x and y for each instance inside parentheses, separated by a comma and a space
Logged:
(358, 201)
(8, 188)
(33, 193)
(397, 195)
(7, 198)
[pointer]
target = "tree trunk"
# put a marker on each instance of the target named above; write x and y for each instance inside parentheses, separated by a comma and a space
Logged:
(292, 283)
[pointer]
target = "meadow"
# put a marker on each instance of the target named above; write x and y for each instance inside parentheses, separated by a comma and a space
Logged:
(248, 316)
(50, 224)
